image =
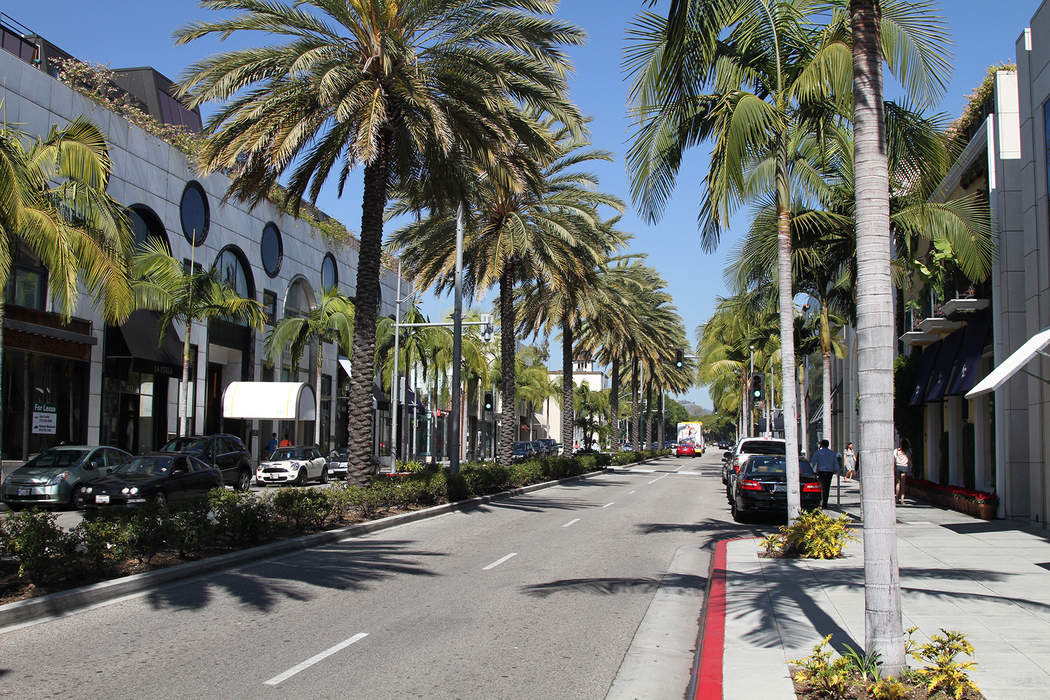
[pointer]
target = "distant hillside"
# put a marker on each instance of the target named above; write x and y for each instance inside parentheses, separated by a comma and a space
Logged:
(695, 409)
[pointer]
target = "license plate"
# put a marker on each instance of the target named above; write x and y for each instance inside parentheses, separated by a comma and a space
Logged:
(25, 492)
(101, 499)
(779, 487)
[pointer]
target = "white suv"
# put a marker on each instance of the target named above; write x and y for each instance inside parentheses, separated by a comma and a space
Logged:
(744, 449)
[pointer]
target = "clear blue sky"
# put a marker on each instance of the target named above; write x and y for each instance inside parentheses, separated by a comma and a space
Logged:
(122, 33)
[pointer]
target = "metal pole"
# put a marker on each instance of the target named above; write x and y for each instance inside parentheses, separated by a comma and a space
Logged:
(750, 398)
(394, 383)
(457, 345)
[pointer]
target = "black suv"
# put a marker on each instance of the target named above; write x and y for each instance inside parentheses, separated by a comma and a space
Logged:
(224, 452)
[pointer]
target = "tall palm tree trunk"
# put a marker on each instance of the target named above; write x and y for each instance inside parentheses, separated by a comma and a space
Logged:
(635, 427)
(803, 413)
(184, 404)
(825, 426)
(614, 404)
(508, 419)
(317, 393)
(883, 628)
(2, 312)
(568, 423)
(649, 412)
(362, 359)
(660, 426)
(787, 330)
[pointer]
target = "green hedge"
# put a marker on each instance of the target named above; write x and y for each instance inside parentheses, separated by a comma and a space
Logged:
(227, 520)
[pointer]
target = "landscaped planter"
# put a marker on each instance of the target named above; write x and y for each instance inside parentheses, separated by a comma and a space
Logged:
(979, 504)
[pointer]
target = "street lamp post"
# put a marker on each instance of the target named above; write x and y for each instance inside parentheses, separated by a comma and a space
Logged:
(457, 345)
(750, 422)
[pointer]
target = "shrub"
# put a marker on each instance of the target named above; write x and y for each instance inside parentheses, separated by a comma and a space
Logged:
(820, 671)
(303, 508)
(343, 498)
(104, 542)
(148, 533)
(888, 689)
(813, 535)
(524, 473)
(44, 552)
(411, 466)
(488, 478)
(241, 517)
(942, 671)
(191, 530)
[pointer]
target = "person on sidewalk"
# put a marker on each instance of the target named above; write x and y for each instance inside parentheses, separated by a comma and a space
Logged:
(901, 469)
(849, 461)
(826, 463)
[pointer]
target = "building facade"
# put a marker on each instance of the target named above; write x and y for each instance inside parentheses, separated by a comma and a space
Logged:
(88, 382)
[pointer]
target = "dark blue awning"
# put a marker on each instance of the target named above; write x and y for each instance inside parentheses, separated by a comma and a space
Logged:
(942, 371)
(968, 363)
(922, 377)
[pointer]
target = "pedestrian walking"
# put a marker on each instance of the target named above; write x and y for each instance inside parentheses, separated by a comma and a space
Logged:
(271, 445)
(286, 442)
(901, 470)
(826, 463)
(849, 461)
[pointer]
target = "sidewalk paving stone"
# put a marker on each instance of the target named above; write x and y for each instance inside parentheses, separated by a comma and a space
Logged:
(990, 580)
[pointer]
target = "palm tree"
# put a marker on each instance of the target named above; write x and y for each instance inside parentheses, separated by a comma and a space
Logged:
(397, 87)
(539, 226)
(330, 321)
(43, 180)
(162, 284)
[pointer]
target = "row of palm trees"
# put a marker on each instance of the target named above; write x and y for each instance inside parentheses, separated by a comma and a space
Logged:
(789, 94)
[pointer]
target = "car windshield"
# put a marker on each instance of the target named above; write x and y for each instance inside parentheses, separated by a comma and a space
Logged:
(340, 454)
(762, 447)
(285, 453)
(519, 445)
(145, 466)
(56, 458)
(185, 444)
(762, 466)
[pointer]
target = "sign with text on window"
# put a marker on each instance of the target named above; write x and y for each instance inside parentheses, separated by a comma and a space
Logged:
(45, 419)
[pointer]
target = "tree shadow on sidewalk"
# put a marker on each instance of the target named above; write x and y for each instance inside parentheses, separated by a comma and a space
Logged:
(346, 566)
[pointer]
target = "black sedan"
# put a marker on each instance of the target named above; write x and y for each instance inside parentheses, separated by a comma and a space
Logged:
(761, 487)
(156, 480)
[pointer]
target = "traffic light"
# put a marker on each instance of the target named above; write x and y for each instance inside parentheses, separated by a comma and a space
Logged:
(488, 400)
(679, 359)
(758, 386)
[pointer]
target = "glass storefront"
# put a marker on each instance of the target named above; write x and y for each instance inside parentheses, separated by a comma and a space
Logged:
(44, 402)
(135, 411)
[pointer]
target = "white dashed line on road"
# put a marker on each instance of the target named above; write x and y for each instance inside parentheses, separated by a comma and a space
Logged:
(658, 478)
(315, 658)
(608, 504)
(499, 561)
(631, 493)
(571, 522)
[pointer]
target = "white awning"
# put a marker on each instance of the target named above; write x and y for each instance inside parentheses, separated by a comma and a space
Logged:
(1012, 365)
(268, 401)
(345, 364)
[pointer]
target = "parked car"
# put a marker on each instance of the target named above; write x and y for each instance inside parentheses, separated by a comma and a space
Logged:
(339, 463)
(522, 450)
(55, 476)
(685, 449)
(550, 445)
(224, 452)
(744, 449)
(157, 479)
(761, 486)
(539, 448)
(293, 465)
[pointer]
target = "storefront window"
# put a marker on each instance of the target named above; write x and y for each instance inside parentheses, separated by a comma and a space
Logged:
(45, 402)
(326, 411)
(27, 283)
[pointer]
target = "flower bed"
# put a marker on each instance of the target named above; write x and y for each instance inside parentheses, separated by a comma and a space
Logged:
(979, 504)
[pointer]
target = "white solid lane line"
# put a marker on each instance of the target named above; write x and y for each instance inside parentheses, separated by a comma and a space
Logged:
(499, 561)
(315, 658)
(608, 504)
(571, 522)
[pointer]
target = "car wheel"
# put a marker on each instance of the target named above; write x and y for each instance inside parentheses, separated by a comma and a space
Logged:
(738, 515)
(300, 479)
(78, 500)
(324, 475)
(160, 499)
(244, 481)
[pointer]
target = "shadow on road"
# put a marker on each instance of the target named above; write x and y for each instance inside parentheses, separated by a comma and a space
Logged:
(616, 585)
(342, 566)
(713, 528)
(530, 504)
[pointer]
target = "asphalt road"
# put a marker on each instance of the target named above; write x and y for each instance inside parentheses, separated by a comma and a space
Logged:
(536, 596)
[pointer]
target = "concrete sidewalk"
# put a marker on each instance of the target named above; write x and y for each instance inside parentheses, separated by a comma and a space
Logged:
(988, 579)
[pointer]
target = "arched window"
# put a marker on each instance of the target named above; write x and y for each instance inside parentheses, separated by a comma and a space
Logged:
(145, 224)
(233, 270)
(271, 249)
(329, 272)
(194, 213)
(300, 298)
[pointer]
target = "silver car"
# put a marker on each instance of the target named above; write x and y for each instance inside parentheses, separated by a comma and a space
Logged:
(293, 465)
(54, 476)
(339, 463)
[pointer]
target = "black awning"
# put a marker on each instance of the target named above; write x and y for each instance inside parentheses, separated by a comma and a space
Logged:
(968, 363)
(942, 371)
(381, 400)
(922, 377)
(137, 340)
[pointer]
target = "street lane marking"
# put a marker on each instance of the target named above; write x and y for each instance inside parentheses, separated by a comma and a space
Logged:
(658, 478)
(499, 561)
(630, 493)
(280, 678)
(571, 522)
(608, 504)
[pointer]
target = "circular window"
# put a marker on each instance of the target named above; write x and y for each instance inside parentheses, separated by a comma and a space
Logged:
(272, 249)
(193, 211)
(145, 224)
(232, 271)
(329, 272)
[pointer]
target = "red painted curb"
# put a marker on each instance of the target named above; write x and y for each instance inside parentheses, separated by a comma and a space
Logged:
(712, 644)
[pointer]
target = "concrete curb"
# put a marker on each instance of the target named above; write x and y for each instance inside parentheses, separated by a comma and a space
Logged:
(59, 604)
